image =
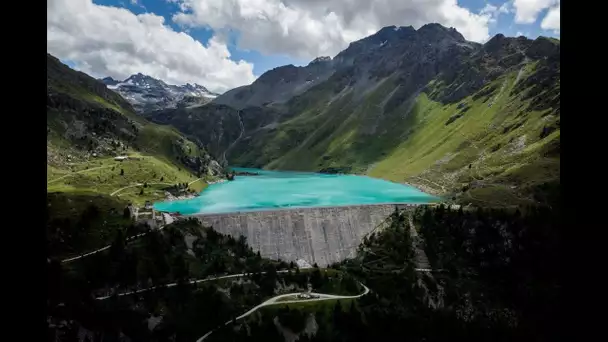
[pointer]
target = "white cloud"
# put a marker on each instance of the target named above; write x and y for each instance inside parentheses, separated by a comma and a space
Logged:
(505, 8)
(488, 9)
(551, 20)
(133, 2)
(112, 41)
(494, 11)
(526, 11)
(311, 28)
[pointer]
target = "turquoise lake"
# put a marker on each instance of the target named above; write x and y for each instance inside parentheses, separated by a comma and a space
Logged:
(282, 189)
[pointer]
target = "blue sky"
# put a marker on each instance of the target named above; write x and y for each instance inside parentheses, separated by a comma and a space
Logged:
(226, 43)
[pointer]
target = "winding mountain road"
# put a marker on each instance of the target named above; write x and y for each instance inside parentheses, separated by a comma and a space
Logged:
(272, 301)
(130, 238)
(86, 255)
(275, 301)
(196, 281)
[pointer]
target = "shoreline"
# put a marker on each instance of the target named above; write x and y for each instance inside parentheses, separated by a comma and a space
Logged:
(170, 197)
(425, 189)
(217, 181)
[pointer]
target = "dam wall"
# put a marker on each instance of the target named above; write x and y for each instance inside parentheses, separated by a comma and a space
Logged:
(321, 235)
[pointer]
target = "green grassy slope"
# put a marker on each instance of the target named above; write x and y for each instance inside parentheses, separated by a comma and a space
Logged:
(105, 177)
(87, 125)
(502, 144)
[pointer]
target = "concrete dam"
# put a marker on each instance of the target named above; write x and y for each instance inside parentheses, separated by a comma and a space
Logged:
(321, 235)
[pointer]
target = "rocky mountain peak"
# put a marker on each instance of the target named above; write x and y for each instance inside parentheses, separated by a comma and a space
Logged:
(195, 87)
(500, 47)
(544, 47)
(147, 93)
(109, 81)
(282, 73)
(437, 32)
(322, 59)
(140, 79)
(386, 35)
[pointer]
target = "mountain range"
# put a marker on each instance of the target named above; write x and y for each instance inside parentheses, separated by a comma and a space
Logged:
(479, 123)
(146, 93)
(88, 125)
(475, 123)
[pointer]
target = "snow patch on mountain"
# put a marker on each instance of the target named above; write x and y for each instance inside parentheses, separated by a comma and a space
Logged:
(146, 93)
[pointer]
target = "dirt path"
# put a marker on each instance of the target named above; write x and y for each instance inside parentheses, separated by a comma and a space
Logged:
(139, 184)
(194, 181)
(81, 171)
(196, 281)
(128, 239)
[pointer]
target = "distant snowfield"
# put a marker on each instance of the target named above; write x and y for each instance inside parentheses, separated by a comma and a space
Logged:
(147, 93)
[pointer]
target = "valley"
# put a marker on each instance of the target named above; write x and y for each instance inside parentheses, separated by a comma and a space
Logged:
(408, 187)
(403, 111)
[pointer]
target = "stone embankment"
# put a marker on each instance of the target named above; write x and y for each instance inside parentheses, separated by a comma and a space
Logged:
(321, 235)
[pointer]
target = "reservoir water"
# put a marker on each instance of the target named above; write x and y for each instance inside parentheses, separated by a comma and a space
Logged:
(280, 189)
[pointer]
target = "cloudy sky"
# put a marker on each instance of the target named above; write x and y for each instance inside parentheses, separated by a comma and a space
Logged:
(223, 44)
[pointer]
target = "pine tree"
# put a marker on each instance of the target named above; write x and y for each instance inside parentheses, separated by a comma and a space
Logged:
(316, 279)
(337, 313)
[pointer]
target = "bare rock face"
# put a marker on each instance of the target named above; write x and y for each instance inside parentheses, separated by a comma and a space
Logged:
(278, 85)
(321, 235)
(215, 169)
(215, 126)
(146, 93)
